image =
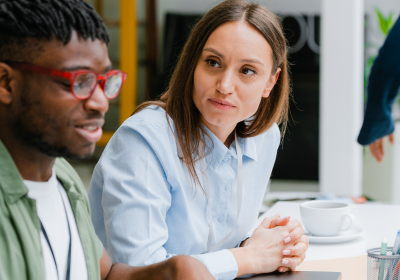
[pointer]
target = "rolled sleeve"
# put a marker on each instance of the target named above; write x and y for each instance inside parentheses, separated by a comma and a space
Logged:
(222, 264)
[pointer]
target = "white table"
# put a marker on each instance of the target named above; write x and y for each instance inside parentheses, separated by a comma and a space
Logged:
(378, 220)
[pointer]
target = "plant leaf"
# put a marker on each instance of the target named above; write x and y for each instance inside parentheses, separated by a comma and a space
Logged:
(390, 22)
(382, 21)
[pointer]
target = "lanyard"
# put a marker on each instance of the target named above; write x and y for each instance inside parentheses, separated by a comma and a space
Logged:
(239, 180)
(51, 248)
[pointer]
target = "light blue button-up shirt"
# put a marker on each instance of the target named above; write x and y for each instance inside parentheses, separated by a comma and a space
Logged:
(145, 208)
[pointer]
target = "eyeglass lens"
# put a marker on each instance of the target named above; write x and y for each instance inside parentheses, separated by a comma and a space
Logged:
(113, 85)
(85, 83)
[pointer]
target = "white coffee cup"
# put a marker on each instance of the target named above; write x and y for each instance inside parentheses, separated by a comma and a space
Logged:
(326, 218)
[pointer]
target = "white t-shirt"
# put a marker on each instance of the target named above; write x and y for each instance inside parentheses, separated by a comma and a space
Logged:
(51, 212)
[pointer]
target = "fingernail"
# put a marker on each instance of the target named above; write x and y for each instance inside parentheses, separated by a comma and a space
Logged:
(285, 261)
(281, 269)
(286, 252)
(287, 239)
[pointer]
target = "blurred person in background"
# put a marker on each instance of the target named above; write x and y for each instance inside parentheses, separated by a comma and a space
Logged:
(382, 92)
(187, 174)
(55, 82)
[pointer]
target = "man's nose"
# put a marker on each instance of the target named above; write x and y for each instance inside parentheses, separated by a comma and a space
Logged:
(98, 101)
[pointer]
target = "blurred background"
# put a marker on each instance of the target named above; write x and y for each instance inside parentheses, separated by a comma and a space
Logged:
(313, 161)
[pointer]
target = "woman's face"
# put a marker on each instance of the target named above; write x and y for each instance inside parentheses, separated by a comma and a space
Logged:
(233, 73)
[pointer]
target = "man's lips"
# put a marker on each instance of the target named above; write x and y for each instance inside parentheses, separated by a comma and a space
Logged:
(221, 104)
(91, 130)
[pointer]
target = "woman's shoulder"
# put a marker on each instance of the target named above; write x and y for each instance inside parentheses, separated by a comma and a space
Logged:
(152, 115)
(271, 135)
(272, 132)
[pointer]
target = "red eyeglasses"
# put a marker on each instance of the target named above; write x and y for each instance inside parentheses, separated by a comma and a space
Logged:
(83, 82)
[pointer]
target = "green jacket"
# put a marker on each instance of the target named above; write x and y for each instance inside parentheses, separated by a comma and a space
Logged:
(20, 248)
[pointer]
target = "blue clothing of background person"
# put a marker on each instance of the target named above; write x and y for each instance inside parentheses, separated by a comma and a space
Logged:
(382, 90)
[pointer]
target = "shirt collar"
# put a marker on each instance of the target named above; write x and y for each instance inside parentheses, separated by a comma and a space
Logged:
(219, 151)
(11, 181)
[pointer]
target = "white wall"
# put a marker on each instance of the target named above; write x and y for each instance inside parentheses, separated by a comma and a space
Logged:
(341, 97)
(373, 35)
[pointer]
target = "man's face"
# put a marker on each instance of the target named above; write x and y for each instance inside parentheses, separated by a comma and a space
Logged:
(45, 116)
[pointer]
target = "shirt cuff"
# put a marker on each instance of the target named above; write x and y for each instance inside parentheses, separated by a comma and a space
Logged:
(248, 235)
(222, 264)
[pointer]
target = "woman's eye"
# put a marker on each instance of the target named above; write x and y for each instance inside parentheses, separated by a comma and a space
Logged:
(248, 71)
(212, 63)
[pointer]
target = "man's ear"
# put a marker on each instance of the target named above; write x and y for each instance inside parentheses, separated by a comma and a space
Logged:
(271, 83)
(7, 75)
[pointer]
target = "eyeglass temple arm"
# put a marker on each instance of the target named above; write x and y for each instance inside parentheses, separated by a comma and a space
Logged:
(42, 70)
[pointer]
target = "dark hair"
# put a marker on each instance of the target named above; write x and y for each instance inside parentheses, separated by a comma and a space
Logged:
(178, 100)
(24, 20)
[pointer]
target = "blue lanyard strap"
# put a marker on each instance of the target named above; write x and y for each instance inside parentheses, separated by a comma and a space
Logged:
(68, 276)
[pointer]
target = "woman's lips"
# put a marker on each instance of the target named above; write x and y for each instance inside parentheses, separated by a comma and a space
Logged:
(221, 104)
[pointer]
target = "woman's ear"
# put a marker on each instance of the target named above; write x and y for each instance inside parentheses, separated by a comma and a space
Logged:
(271, 83)
(6, 82)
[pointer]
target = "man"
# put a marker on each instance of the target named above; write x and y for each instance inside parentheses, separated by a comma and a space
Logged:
(383, 89)
(55, 79)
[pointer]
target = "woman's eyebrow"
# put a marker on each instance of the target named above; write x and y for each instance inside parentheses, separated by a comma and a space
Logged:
(252, 61)
(214, 51)
(243, 60)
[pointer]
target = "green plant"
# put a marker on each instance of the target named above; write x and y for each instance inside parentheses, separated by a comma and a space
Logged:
(385, 23)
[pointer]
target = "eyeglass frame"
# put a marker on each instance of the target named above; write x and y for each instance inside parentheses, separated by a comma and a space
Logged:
(71, 76)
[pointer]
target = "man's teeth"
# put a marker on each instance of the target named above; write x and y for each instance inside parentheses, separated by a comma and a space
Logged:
(90, 127)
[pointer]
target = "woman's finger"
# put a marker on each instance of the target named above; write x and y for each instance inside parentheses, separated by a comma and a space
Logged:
(294, 235)
(297, 250)
(303, 239)
(294, 224)
(266, 223)
(283, 269)
(302, 257)
(280, 222)
(291, 262)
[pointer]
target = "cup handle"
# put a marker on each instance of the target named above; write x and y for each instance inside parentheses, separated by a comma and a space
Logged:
(352, 220)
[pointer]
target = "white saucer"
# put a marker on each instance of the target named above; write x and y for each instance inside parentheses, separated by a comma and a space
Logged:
(344, 236)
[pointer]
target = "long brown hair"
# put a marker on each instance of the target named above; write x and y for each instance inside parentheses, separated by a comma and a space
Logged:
(178, 99)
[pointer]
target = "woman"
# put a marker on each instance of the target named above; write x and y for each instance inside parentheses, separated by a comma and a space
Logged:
(187, 174)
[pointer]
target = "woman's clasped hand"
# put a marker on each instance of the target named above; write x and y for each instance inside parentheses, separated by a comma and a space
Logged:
(276, 244)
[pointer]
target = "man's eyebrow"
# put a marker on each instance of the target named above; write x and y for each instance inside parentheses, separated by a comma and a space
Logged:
(243, 60)
(214, 51)
(81, 67)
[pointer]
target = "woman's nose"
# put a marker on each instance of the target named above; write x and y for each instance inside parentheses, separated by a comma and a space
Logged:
(225, 84)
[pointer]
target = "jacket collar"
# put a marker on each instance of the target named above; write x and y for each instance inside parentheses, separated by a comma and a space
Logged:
(11, 182)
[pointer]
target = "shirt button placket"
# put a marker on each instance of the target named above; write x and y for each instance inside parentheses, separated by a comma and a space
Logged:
(221, 218)
(227, 187)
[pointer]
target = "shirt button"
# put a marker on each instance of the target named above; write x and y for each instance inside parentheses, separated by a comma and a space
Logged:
(221, 218)
(228, 187)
